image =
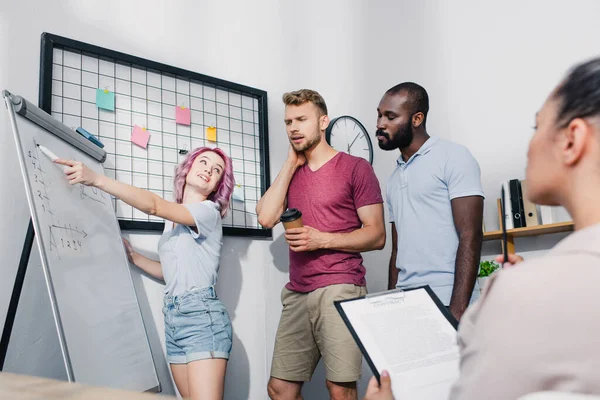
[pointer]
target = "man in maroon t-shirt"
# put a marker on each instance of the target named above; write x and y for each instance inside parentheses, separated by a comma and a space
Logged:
(341, 204)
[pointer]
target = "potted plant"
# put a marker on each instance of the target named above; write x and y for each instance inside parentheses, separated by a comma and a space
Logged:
(486, 268)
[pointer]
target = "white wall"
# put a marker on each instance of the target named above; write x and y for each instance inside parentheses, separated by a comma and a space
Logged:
(487, 67)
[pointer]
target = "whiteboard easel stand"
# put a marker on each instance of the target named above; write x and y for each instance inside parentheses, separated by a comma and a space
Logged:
(17, 104)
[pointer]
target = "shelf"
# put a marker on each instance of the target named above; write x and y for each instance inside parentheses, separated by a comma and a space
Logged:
(536, 230)
(531, 231)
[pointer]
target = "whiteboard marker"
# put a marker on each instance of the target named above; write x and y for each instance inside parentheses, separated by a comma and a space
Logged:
(47, 152)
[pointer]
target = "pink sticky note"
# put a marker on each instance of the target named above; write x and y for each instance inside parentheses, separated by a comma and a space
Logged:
(183, 116)
(140, 136)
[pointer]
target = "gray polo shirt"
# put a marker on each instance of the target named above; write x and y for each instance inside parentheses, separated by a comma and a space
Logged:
(190, 259)
(419, 192)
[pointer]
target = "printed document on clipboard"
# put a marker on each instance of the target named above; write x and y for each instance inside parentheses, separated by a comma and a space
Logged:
(409, 333)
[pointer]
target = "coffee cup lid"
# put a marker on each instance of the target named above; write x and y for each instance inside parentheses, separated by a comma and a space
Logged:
(291, 214)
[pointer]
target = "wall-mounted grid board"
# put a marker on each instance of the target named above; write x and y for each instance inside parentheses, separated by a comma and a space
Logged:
(147, 94)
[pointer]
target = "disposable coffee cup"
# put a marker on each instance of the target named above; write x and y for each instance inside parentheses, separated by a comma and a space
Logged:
(291, 218)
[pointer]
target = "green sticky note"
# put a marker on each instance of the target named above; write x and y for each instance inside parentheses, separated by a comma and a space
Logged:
(105, 99)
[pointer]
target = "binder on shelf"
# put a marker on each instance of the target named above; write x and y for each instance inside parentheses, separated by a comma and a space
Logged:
(516, 201)
(508, 217)
(529, 208)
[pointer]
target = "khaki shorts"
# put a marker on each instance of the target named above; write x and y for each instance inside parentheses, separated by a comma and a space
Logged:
(311, 327)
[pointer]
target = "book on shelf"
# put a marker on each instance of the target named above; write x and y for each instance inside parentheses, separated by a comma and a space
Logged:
(529, 208)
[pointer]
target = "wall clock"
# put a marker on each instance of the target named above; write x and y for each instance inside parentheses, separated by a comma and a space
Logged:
(347, 134)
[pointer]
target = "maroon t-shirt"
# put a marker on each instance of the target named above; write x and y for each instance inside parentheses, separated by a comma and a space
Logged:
(328, 199)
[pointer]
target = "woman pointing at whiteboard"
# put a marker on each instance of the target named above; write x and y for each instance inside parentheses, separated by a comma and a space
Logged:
(197, 325)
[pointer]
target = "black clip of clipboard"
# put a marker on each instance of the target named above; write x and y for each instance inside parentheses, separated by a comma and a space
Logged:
(376, 298)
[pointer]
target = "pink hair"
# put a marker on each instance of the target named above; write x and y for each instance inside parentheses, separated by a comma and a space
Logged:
(222, 195)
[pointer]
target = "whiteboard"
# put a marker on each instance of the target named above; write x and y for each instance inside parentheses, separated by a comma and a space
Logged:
(98, 319)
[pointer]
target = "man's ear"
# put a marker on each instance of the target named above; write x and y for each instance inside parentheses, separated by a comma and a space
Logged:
(324, 122)
(418, 119)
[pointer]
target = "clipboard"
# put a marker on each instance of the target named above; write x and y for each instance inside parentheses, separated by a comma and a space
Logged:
(391, 296)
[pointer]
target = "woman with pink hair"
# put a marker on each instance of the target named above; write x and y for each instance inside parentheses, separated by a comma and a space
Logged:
(197, 325)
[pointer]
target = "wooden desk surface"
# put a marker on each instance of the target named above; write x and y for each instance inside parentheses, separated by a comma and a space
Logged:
(22, 387)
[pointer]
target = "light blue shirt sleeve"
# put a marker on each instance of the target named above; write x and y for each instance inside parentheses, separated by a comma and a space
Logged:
(462, 174)
(206, 214)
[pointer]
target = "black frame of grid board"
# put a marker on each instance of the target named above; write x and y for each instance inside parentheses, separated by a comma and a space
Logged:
(49, 42)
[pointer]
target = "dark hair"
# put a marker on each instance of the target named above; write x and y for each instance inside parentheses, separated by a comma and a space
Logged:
(418, 99)
(299, 97)
(579, 93)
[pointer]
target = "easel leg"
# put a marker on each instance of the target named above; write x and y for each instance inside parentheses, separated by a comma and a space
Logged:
(16, 293)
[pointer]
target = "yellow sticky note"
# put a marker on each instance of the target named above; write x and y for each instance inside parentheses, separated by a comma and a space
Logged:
(211, 134)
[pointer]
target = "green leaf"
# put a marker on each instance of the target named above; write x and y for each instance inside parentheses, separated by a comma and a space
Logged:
(486, 268)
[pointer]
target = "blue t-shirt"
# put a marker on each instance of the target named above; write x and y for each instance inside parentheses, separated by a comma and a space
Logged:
(190, 259)
(419, 192)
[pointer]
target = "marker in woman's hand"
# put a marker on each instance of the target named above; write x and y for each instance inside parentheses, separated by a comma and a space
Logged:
(47, 152)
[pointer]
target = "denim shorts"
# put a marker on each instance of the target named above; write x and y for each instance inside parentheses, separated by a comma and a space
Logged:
(197, 327)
